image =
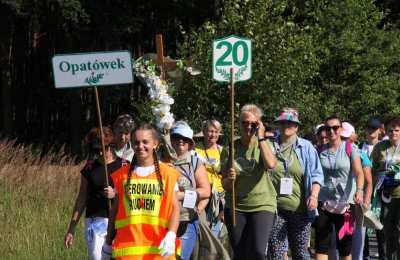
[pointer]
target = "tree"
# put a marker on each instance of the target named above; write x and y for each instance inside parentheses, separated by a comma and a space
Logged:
(322, 57)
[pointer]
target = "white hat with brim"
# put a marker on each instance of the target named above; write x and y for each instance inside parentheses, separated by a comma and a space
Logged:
(183, 129)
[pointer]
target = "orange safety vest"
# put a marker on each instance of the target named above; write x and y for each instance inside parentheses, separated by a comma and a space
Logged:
(142, 220)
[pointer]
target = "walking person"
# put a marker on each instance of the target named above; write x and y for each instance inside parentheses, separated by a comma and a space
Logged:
(297, 178)
(349, 135)
(254, 192)
(93, 194)
(374, 134)
(209, 152)
(145, 213)
(193, 186)
(123, 127)
(386, 161)
(340, 163)
(321, 136)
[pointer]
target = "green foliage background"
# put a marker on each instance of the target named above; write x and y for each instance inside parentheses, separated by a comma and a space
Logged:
(322, 57)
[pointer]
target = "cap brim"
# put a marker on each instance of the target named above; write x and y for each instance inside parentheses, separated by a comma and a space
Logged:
(277, 120)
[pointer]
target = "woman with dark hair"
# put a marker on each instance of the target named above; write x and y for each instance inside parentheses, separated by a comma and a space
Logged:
(93, 194)
(385, 167)
(341, 164)
(254, 193)
(145, 212)
(123, 127)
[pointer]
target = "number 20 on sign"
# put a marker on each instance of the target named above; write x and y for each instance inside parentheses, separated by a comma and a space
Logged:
(232, 52)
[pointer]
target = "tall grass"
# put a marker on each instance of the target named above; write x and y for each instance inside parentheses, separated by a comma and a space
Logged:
(37, 199)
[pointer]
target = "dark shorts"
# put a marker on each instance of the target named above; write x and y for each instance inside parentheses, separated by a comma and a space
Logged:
(323, 226)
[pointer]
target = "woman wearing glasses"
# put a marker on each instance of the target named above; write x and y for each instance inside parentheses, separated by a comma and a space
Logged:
(386, 158)
(93, 194)
(341, 164)
(254, 193)
(297, 178)
(193, 186)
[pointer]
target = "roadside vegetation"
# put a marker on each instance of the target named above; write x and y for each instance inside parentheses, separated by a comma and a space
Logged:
(38, 196)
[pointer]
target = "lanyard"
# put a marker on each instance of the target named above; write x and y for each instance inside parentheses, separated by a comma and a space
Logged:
(285, 161)
(288, 161)
(188, 175)
(333, 169)
(392, 158)
(208, 158)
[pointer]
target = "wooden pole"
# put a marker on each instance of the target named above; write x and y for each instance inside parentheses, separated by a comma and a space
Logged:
(231, 143)
(102, 138)
(160, 53)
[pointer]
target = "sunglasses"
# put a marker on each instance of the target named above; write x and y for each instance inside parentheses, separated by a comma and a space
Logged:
(334, 128)
(179, 137)
(247, 123)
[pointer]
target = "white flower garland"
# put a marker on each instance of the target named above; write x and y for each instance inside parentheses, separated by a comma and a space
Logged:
(158, 93)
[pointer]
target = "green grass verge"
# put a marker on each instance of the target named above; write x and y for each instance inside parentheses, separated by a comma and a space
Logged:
(34, 214)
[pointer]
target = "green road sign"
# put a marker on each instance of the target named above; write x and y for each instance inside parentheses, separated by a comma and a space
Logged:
(232, 52)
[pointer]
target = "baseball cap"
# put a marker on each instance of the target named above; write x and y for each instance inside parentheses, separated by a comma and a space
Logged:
(374, 123)
(347, 130)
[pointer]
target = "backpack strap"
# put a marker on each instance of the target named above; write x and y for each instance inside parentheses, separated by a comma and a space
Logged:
(194, 161)
(348, 149)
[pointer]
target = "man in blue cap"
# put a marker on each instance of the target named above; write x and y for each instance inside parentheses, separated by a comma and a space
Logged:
(373, 134)
(373, 130)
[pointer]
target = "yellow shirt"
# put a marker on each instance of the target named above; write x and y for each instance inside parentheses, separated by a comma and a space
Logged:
(212, 161)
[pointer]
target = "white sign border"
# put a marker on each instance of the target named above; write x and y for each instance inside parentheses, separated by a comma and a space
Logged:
(251, 57)
(95, 52)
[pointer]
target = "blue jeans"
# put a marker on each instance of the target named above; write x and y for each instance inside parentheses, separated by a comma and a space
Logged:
(188, 239)
(216, 228)
(358, 242)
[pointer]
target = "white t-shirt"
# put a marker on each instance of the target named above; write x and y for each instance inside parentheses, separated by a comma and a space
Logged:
(147, 170)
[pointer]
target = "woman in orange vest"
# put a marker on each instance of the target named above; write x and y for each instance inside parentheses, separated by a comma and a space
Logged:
(145, 213)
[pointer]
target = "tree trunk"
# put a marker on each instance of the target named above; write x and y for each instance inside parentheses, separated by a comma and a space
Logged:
(6, 104)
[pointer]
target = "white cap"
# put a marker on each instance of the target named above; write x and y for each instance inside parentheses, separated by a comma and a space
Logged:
(348, 130)
(317, 128)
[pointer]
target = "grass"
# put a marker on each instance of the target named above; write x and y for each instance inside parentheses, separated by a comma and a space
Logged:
(37, 199)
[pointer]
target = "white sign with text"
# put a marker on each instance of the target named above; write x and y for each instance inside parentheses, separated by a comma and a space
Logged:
(92, 69)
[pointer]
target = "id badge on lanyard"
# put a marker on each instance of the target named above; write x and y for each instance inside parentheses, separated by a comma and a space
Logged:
(286, 183)
(393, 158)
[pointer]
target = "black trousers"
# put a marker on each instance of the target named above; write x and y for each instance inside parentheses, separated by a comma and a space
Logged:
(249, 237)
